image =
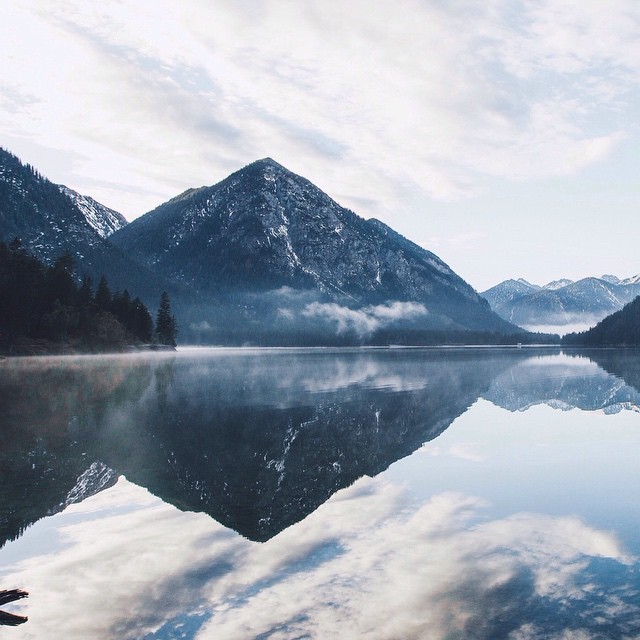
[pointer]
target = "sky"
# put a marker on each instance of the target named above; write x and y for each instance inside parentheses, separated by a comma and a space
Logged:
(502, 135)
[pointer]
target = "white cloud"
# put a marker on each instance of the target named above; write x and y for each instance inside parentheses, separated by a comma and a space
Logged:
(366, 320)
(368, 563)
(385, 101)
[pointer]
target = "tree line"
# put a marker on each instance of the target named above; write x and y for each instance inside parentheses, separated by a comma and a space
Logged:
(43, 308)
(620, 329)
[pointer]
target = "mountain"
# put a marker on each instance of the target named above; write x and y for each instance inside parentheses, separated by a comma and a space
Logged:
(278, 247)
(104, 220)
(621, 328)
(50, 220)
(508, 291)
(256, 456)
(563, 302)
(557, 284)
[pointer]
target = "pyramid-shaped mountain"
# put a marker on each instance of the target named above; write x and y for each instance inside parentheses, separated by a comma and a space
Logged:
(265, 229)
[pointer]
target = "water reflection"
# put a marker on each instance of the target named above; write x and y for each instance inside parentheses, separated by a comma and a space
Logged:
(367, 563)
(567, 383)
(257, 440)
(289, 448)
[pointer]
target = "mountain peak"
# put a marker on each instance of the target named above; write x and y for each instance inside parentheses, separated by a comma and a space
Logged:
(266, 164)
(268, 161)
(557, 284)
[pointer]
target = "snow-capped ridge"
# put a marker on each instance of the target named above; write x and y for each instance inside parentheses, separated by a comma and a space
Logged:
(554, 285)
(563, 303)
(101, 218)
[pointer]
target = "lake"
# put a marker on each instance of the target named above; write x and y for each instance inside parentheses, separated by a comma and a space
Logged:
(317, 493)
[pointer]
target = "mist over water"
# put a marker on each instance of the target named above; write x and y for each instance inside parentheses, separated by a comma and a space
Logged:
(382, 493)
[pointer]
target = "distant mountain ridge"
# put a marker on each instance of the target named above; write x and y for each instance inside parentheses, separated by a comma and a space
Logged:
(562, 302)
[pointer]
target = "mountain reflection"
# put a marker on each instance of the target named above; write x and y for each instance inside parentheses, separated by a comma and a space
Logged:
(568, 383)
(256, 439)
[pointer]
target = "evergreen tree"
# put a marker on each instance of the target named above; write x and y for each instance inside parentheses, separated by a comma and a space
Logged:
(60, 282)
(42, 308)
(103, 295)
(166, 327)
(85, 293)
(142, 322)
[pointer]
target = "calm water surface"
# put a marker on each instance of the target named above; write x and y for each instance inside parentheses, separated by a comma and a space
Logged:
(392, 494)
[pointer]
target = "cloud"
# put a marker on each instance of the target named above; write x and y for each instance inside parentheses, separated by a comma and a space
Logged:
(366, 320)
(395, 102)
(369, 562)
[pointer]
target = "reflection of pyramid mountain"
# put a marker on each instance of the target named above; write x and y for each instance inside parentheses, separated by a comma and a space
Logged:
(562, 385)
(256, 442)
(259, 443)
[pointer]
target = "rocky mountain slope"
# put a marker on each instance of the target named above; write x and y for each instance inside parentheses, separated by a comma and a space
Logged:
(50, 220)
(265, 231)
(104, 220)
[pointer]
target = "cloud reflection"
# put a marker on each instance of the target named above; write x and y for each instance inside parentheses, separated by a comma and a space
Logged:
(369, 563)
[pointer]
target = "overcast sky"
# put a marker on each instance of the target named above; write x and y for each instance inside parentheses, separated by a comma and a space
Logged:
(501, 135)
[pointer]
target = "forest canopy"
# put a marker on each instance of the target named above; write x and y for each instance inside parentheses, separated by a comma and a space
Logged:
(43, 309)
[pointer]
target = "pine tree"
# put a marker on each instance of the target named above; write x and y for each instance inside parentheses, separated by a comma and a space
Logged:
(103, 295)
(166, 327)
(142, 322)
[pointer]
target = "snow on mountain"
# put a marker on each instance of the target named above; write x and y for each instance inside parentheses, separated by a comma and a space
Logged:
(557, 284)
(563, 303)
(103, 219)
(508, 291)
(527, 283)
(50, 221)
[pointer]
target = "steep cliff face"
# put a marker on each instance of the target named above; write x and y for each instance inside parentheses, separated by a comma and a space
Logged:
(264, 228)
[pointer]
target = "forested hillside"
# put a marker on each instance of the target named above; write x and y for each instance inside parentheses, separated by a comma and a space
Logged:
(43, 310)
(620, 329)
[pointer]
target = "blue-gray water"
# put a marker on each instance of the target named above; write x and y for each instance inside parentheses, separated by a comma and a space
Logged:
(392, 493)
